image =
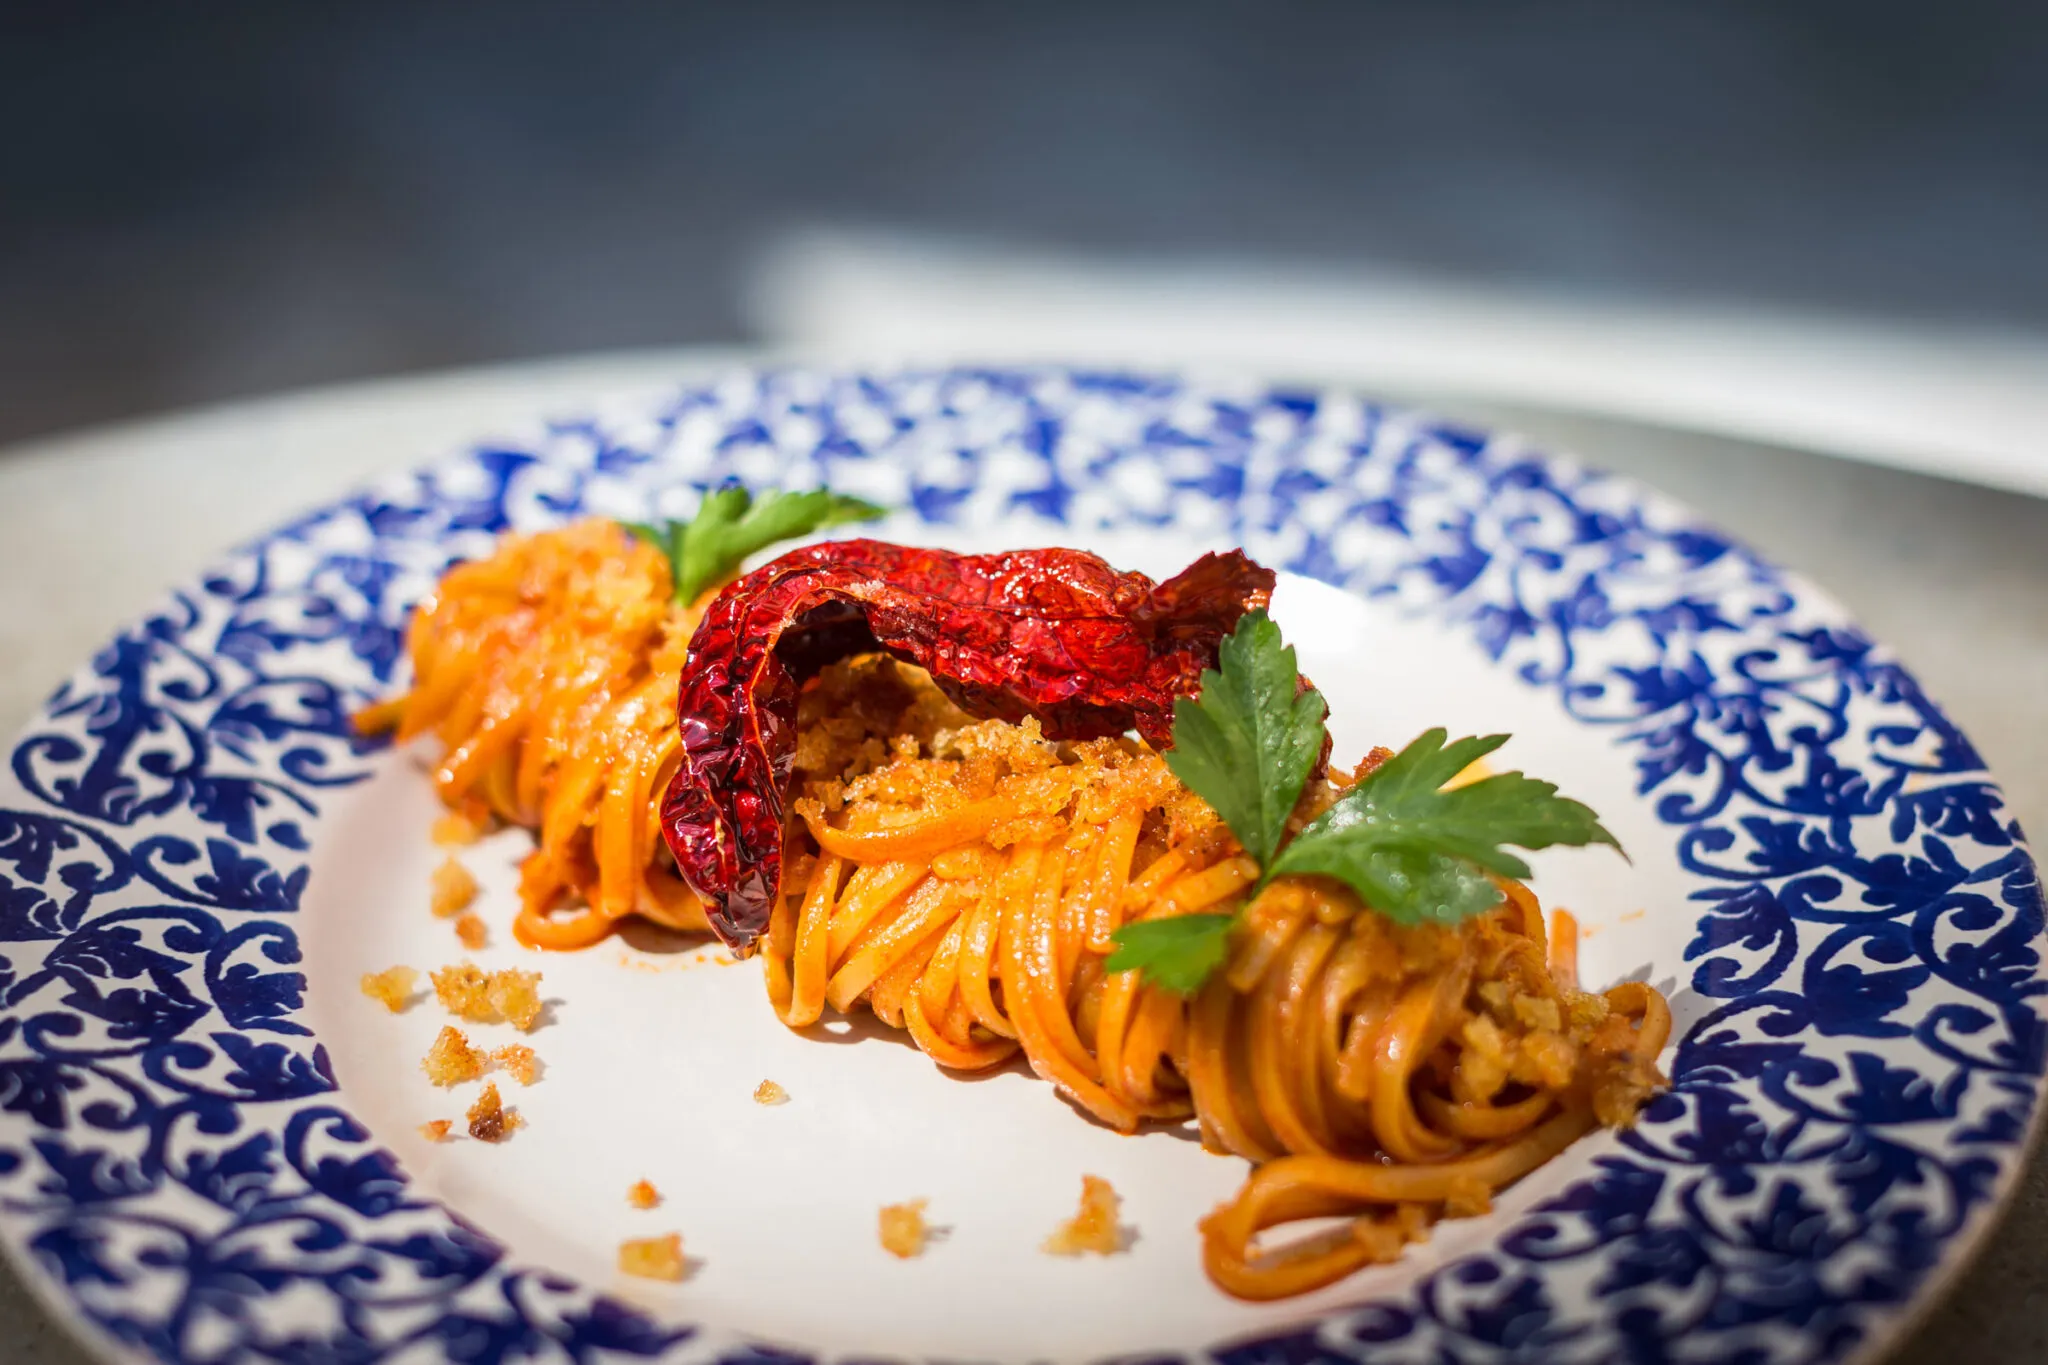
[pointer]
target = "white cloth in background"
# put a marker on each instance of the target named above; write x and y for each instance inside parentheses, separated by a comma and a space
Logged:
(1961, 403)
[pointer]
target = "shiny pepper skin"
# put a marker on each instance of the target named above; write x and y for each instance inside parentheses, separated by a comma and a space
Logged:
(1053, 633)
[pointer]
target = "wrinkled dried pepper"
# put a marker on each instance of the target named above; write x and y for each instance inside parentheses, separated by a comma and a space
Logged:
(1057, 634)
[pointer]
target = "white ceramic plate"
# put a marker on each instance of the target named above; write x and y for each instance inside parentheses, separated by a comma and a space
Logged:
(210, 1146)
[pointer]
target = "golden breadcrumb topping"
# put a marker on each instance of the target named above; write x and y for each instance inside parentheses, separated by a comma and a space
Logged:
(437, 1131)
(489, 1119)
(453, 889)
(509, 996)
(451, 1060)
(768, 1092)
(643, 1195)
(514, 995)
(464, 991)
(454, 830)
(1093, 1227)
(471, 931)
(1537, 1012)
(518, 1061)
(903, 1229)
(393, 986)
(653, 1258)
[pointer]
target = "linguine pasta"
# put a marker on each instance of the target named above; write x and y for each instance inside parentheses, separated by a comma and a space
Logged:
(966, 882)
(547, 675)
(962, 881)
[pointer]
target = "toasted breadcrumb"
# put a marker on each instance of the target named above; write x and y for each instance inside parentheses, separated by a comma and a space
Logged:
(1093, 1226)
(903, 1230)
(1538, 1012)
(393, 986)
(453, 889)
(653, 1258)
(470, 930)
(643, 1195)
(518, 1062)
(437, 1131)
(451, 1060)
(468, 992)
(768, 1092)
(514, 997)
(489, 1119)
(455, 829)
(464, 991)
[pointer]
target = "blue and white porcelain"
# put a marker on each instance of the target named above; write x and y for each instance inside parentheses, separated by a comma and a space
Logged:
(208, 1136)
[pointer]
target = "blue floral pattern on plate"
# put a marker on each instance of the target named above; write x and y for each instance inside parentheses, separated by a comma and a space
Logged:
(1855, 1090)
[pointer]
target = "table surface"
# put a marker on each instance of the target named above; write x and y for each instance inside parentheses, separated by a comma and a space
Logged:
(1949, 576)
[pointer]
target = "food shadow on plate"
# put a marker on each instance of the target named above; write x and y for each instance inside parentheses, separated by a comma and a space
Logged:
(1688, 1006)
(658, 940)
(843, 1029)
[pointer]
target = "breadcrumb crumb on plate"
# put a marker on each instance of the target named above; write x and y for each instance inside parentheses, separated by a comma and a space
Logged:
(768, 1092)
(489, 1119)
(453, 888)
(643, 1195)
(509, 996)
(1093, 1228)
(515, 997)
(903, 1230)
(454, 830)
(464, 991)
(451, 1060)
(436, 1131)
(471, 931)
(653, 1258)
(519, 1062)
(393, 986)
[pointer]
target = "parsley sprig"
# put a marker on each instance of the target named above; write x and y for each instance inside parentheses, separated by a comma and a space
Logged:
(1246, 745)
(1414, 850)
(732, 523)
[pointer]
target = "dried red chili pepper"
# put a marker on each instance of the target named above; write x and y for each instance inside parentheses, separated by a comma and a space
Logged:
(1056, 634)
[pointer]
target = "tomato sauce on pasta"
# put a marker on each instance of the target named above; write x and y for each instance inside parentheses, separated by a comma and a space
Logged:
(963, 879)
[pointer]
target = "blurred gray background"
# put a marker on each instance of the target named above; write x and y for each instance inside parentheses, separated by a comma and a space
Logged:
(200, 203)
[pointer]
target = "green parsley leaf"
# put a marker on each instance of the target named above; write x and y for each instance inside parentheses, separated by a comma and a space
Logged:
(1177, 953)
(1416, 852)
(732, 523)
(1247, 744)
(666, 537)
